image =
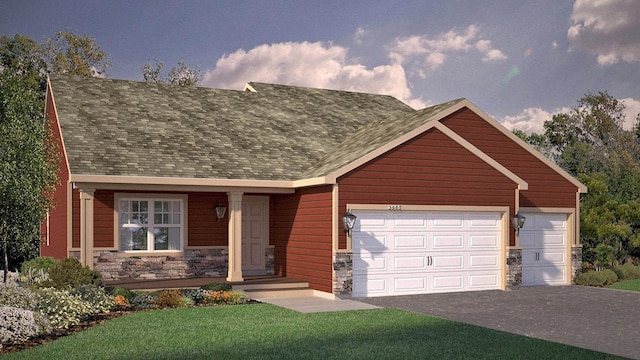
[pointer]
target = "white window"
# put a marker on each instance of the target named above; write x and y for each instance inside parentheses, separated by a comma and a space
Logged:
(150, 224)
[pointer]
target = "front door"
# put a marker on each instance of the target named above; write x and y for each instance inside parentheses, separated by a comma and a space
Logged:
(255, 234)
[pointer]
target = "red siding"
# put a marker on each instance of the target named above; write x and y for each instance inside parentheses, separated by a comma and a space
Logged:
(300, 229)
(431, 169)
(75, 218)
(57, 230)
(547, 188)
(103, 213)
(203, 228)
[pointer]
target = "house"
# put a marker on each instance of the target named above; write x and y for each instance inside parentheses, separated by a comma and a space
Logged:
(159, 181)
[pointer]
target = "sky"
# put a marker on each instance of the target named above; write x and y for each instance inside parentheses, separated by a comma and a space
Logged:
(519, 61)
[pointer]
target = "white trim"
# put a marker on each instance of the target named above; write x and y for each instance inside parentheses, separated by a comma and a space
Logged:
(184, 201)
(155, 180)
(443, 208)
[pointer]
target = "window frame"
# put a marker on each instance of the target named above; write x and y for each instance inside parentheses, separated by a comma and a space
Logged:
(150, 198)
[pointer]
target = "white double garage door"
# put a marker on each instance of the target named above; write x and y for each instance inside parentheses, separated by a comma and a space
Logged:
(402, 253)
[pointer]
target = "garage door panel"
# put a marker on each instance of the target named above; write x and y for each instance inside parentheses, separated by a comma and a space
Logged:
(410, 284)
(409, 263)
(448, 221)
(485, 221)
(410, 242)
(553, 258)
(550, 275)
(370, 241)
(410, 221)
(447, 282)
(484, 261)
(446, 242)
(448, 262)
(527, 238)
(484, 281)
(363, 264)
(372, 222)
(553, 239)
(484, 241)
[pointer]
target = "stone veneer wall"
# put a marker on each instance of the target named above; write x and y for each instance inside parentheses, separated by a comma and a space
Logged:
(514, 268)
(214, 262)
(576, 262)
(343, 274)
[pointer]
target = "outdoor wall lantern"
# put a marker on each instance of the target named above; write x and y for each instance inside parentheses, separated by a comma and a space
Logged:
(348, 220)
(220, 210)
(518, 222)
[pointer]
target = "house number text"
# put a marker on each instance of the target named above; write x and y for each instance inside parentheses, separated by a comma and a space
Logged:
(395, 207)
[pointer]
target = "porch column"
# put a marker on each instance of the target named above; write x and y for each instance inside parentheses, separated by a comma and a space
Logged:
(235, 237)
(86, 227)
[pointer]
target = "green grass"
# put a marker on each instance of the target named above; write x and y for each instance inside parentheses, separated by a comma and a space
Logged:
(265, 331)
(633, 285)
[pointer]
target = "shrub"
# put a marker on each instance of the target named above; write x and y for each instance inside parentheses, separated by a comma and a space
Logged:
(17, 296)
(216, 286)
(41, 263)
(95, 296)
(196, 295)
(69, 273)
(20, 324)
(34, 277)
(597, 278)
(120, 291)
(62, 308)
(121, 301)
(171, 299)
(627, 271)
(142, 301)
(224, 297)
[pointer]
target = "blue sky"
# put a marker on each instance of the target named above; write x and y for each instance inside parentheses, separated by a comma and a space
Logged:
(520, 61)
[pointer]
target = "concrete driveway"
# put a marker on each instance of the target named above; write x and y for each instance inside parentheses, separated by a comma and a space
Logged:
(604, 320)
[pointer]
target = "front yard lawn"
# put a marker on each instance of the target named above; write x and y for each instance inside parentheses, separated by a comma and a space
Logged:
(264, 331)
(633, 285)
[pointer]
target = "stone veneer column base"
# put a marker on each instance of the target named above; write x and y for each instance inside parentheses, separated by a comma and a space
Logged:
(343, 274)
(115, 265)
(576, 262)
(514, 268)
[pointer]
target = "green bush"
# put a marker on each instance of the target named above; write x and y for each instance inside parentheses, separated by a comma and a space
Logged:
(171, 299)
(627, 271)
(18, 324)
(597, 278)
(33, 276)
(69, 273)
(61, 308)
(17, 296)
(96, 297)
(42, 263)
(116, 290)
(216, 286)
(142, 300)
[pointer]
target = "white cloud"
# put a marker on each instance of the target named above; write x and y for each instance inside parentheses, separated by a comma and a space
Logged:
(632, 109)
(532, 119)
(359, 35)
(608, 29)
(420, 51)
(318, 64)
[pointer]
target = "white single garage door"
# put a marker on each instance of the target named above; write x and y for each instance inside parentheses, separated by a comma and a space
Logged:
(401, 253)
(544, 249)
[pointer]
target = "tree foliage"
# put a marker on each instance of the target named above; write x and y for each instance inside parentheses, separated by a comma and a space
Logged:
(27, 160)
(590, 143)
(27, 169)
(181, 75)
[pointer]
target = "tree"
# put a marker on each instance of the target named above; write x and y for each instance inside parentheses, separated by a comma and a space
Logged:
(27, 160)
(590, 143)
(182, 75)
(68, 53)
(27, 169)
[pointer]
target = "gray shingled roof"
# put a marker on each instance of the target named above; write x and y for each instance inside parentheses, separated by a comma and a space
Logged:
(129, 128)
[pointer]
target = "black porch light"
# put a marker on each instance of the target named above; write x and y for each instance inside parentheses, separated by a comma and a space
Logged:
(220, 210)
(348, 220)
(518, 222)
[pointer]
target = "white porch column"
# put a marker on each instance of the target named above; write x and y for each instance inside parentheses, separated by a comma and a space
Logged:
(86, 227)
(235, 237)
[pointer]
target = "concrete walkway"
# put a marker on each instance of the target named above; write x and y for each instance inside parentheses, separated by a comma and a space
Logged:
(604, 320)
(313, 304)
